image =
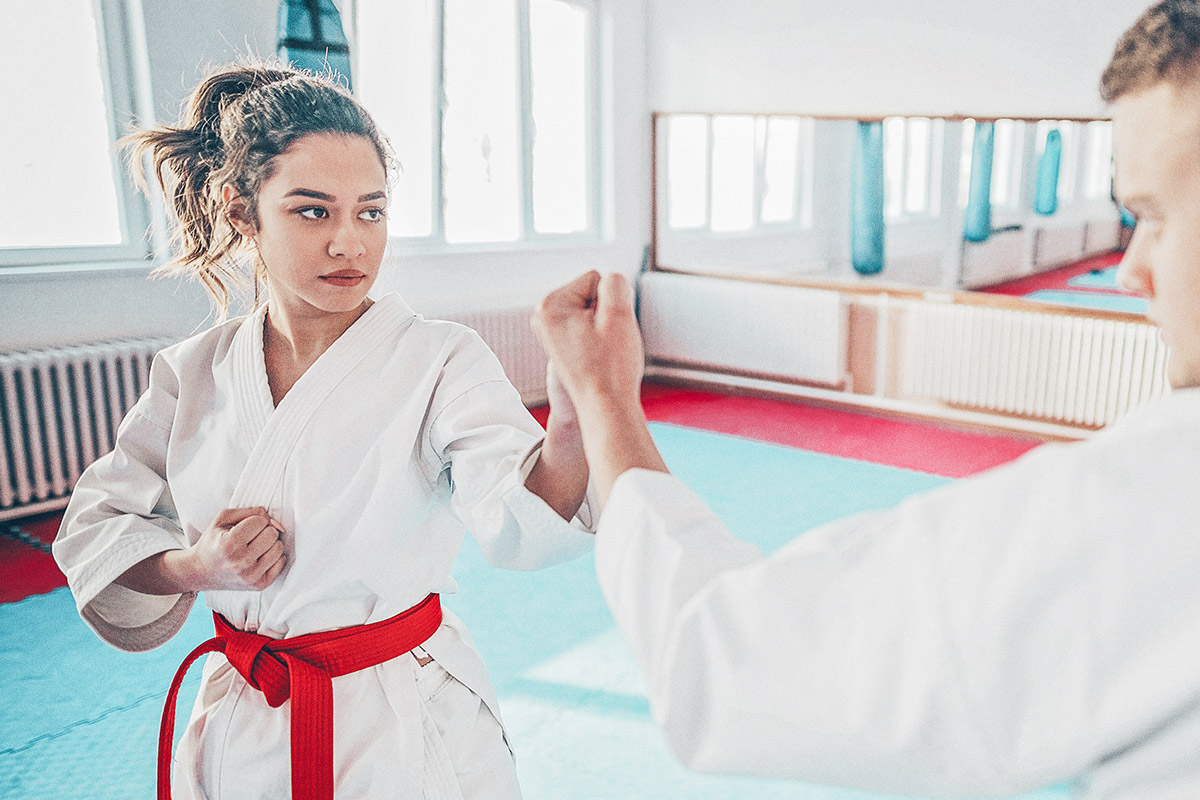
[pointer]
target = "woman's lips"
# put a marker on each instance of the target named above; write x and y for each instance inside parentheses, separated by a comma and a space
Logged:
(344, 277)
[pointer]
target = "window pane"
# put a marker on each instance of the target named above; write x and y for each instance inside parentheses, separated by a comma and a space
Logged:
(1068, 170)
(966, 155)
(893, 166)
(687, 171)
(732, 173)
(65, 171)
(396, 62)
(779, 171)
(559, 45)
(807, 181)
(916, 189)
(937, 154)
(1099, 169)
(480, 144)
(1004, 156)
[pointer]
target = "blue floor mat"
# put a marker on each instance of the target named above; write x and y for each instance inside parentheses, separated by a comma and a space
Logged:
(1106, 301)
(81, 720)
(1096, 279)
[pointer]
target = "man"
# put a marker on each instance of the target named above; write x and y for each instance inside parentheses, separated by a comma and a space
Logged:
(1036, 624)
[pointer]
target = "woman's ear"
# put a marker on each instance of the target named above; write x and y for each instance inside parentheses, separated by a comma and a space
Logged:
(238, 211)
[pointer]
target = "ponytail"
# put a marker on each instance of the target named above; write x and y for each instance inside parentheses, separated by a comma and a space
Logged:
(234, 123)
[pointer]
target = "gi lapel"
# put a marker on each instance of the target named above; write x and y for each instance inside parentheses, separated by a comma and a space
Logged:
(274, 433)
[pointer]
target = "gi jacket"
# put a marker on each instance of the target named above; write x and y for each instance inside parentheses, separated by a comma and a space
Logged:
(404, 430)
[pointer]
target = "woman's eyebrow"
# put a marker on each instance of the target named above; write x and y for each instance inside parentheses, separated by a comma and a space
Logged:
(313, 193)
(316, 195)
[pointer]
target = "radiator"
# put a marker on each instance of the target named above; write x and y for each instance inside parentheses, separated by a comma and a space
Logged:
(1000, 258)
(60, 408)
(788, 332)
(507, 332)
(1101, 236)
(1070, 369)
(60, 411)
(1057, 246)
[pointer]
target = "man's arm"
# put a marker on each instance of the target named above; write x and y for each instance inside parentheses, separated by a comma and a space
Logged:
(590, 333)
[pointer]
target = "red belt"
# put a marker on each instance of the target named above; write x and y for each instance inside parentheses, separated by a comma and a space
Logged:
(302, 668)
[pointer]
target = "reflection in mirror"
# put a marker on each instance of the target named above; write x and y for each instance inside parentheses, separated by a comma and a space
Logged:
(960, 268)
(964, 204)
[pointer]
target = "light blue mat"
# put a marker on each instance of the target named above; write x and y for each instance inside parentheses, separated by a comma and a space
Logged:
(1096, 279)
(1106, 301)
(79, 720)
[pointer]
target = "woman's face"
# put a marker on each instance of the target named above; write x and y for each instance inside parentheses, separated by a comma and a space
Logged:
(322, 224)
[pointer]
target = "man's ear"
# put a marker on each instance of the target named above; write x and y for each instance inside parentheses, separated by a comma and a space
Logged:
(238, 211)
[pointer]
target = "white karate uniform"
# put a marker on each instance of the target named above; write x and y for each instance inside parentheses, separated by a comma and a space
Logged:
(401, 432)
(1036, 624)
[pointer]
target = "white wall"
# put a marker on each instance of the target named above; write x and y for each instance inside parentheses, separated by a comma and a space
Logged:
(871, 58)
(75, 303)
(868, 58)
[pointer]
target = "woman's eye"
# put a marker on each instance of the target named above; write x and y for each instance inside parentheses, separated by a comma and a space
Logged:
(313, 212)
(373, 214)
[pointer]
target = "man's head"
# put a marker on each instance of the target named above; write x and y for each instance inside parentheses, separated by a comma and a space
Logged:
(1153, 84)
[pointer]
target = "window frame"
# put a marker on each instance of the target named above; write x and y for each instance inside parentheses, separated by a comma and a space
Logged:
(794, 245)
(801, 219)
(596, 159)
(124, 78)
(935, 166)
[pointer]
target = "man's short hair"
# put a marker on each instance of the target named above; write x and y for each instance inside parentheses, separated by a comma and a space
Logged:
(1164, 44)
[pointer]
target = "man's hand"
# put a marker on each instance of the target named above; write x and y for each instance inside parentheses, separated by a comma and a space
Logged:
(590, 333)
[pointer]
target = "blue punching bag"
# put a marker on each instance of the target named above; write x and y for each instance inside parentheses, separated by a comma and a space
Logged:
(311, 37)
(977, 219)
(866, 200)
(1046, 200)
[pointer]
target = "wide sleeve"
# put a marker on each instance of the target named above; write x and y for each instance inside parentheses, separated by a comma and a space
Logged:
(483, 433)
(121, 513)
(993, 636)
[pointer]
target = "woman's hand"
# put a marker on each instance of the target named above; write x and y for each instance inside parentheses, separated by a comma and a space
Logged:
(241, 551)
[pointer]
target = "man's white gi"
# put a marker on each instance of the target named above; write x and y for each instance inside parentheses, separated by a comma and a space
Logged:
(401, 432)
(1035, 624)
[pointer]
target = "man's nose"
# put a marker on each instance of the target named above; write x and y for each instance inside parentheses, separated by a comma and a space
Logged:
(1134, 274)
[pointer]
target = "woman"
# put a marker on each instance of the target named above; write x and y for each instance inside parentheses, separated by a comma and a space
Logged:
(310, 467)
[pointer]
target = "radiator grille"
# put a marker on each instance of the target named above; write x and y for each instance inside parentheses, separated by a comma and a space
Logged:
(61, 410)
(1072, 369)
(752, 328)
(507, 332)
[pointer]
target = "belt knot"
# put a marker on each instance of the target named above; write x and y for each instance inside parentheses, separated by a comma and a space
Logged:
(251, 655)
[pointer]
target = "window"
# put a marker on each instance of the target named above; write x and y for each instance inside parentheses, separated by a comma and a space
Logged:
(68, 196)
(738, 173)
(1008, 164)
(1068, 165)
(1098, 169)
(493, 107)
(912, 167)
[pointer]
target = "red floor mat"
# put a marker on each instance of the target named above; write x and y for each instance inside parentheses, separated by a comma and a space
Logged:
(25, 568)
(942, 450)
(1055, 278)
(924, 446)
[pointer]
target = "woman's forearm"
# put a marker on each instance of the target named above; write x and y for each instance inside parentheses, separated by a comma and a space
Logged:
(165, 573)
(560, 476)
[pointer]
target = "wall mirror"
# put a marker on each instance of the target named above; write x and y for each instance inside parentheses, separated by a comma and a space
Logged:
(912, 202)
